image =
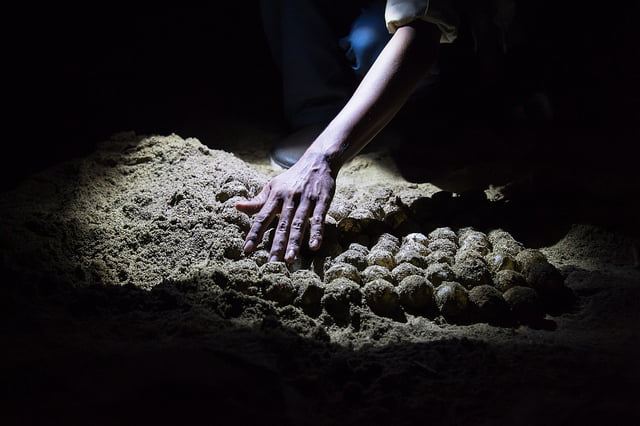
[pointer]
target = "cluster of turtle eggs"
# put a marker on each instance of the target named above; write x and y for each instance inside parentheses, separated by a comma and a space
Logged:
(463, 276)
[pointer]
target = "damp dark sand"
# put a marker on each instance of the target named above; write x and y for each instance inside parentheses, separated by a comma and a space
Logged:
(128, 301)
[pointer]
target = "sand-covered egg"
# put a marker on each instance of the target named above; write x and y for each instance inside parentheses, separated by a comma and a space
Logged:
(380, 257)
(309, 291)
(376, 272)
(353, 257)
(381, 297)
(387, 242)
(506, 279)
(472, 240)
(279, 288)
(279, 268)
(495, 235)
(415, 246)
(465, 255)
(416, 293)
(243, 274)
(406, 255)
(440, 256)
(507, 246)
(366, 215)
(361, 248)
(350, 225)
(338, 296)
(529, 257)
(304, 274)
(488, 304)
(524, 303)
(395, 214)
(452, 300)
(403, 270)
(339, 211)
(443, 232)
(437, 273)
(500, 262)
(415, 237)
(545, 278)
(471, 271)
(443, 244)
(341, 270)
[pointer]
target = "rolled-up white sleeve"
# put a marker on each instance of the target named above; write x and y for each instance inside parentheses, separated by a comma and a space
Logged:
(439, 12)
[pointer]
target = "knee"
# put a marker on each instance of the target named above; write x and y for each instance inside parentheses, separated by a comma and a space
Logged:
(367, 38)
(366, 43)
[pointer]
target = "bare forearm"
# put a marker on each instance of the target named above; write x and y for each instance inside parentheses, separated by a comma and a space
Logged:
(402, 64)
(302, 194)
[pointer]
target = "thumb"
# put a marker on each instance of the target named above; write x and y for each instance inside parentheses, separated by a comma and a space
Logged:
(255, 204)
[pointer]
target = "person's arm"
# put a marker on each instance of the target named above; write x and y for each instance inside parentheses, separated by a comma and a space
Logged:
(304, 192)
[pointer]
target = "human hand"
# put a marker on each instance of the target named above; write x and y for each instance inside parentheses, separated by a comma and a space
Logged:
(300, 195)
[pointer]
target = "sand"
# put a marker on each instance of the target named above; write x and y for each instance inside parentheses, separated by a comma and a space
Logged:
(128, 300)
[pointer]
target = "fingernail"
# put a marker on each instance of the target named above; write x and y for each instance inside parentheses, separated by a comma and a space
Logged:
(313, 244)
(291, 255)
(273, 258)
(248, 246)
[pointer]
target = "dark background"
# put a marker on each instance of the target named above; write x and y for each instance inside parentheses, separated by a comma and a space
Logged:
(76, 75)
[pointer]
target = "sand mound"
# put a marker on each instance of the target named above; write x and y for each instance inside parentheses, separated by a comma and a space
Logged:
(145, 231)
(151, 210)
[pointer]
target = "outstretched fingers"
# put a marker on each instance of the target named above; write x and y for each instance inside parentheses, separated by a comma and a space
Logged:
(256, 203)
(282, 231)
(261, 222)
(317, 222)
(301, 196)
(297, 230)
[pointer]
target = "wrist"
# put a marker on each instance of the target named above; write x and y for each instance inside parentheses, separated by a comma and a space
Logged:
(319, 160)
(331, 147)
